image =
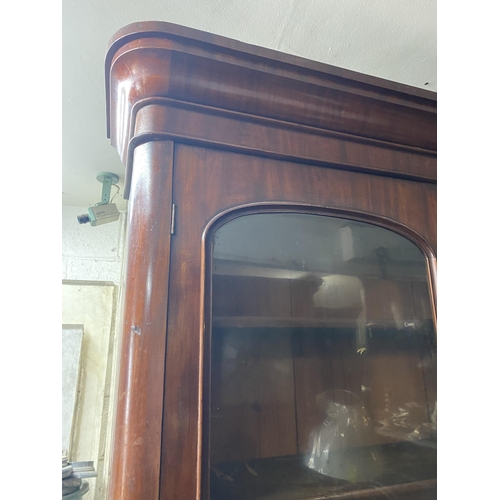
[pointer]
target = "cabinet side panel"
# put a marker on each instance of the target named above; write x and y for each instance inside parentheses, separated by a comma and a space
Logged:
(136, 460)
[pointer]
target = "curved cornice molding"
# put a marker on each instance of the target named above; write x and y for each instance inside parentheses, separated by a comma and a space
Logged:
(162, 60)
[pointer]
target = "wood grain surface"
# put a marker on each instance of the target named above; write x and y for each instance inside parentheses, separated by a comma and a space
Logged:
(214, 126)
(208, 183)
(151, 61)
(136, 464)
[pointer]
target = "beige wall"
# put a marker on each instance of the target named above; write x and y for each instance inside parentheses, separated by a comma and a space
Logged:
(94, 307)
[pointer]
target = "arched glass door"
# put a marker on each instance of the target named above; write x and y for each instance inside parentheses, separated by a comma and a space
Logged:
(322, 360)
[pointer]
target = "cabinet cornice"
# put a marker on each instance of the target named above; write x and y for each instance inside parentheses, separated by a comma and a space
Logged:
(156, 59)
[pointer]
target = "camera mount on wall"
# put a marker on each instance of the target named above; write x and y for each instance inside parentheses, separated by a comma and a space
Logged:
(104, 211)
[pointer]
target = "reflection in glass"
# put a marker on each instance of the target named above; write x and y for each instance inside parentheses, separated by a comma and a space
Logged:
(323, 361)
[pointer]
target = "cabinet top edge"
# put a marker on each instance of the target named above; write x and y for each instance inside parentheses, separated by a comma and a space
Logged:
(163, 29)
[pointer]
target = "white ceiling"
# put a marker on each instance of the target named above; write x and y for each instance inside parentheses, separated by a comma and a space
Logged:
(391, 39)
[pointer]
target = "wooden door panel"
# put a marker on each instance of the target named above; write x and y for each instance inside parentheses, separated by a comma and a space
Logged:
(206, 184)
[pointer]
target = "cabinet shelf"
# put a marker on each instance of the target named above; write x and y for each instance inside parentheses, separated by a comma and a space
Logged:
(303, 322)
(288, 478)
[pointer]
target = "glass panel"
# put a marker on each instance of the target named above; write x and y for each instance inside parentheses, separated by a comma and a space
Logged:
(323, 361)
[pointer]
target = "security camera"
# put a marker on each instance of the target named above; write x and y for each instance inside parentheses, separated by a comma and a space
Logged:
(100, 214)
(103, 212)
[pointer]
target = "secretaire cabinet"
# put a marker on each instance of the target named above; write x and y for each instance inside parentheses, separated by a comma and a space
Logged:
(278, 335)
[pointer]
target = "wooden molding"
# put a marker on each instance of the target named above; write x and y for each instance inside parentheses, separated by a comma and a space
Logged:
(162, 60)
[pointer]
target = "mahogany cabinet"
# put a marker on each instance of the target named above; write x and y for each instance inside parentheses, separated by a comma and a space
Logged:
(278, 337)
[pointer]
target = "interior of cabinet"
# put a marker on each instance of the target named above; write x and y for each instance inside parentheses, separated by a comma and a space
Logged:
(279, 362)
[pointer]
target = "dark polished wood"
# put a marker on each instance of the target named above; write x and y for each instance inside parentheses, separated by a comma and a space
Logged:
(221, 128)
(155, 60)
(212, 127)
(140, 392)
(208, 183)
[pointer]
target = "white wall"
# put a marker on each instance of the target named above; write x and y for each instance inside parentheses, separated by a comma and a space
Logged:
(92, 284)
(91, 253)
